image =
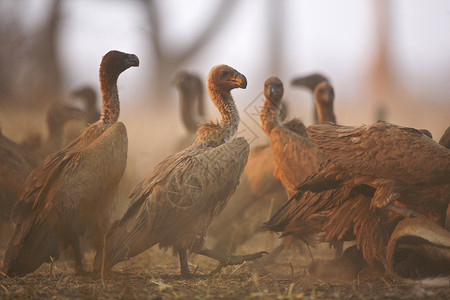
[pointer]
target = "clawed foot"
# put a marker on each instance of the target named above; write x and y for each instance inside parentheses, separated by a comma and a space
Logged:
(191, 275)
(235, 260)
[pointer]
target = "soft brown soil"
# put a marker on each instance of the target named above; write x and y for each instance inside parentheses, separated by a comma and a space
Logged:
(155, 275)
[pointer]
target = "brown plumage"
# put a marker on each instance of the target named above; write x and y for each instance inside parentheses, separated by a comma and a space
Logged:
(16, 163)
(69, 194)
(445, 138)
(401, 163)
(250, 204)
(311, 82)
(175, 203)
(294, 155)
(344, 193)
(88, 95)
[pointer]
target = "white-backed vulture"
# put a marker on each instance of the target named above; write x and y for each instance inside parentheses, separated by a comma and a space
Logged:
(69, 194)
(341, 197)
(192, 109)
(294, 155)
(311, 81)
(401, 163)
(175, 203)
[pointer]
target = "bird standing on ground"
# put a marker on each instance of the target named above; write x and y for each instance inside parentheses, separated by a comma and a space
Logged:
(175, 203)
(70, 193)
(294, 155)
(370, 168)
(311, 82)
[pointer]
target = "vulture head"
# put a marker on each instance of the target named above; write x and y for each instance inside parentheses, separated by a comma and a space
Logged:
(86, 93)
(310, 81)
(225, 78)
(185, 83)
(115, 62)
(324, 93)
(273, 90)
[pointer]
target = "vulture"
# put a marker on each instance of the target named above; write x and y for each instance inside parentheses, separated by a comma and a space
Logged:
(310, 82)
(16, 163)
(88, 95)
(294, 155)
(69, 194)
(58, 115)
(192, 109)
(177, 200)
(402, 164)
(192, 106)
(340, 198)
(259, 182)
(249, 205)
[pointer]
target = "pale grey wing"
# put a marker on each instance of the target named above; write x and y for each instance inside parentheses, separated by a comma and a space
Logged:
(295, 157)
(182, 205)
(383, 150)
(144, 188)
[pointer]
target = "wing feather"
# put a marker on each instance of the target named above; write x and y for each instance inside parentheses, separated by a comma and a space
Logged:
(295, 157)
(383, 150)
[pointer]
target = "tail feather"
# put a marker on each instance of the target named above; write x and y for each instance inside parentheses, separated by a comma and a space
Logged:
(126, 238)
(29, 248)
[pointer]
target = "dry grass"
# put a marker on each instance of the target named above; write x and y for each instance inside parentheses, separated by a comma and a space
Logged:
(154, 275)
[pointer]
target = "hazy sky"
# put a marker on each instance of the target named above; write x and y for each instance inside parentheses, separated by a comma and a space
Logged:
(337, 38)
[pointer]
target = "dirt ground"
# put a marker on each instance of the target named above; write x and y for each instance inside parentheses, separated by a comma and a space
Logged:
(155, 275)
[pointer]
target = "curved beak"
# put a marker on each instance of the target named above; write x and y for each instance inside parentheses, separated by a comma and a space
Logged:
(133, 60)
(310, 81)
(240, 80)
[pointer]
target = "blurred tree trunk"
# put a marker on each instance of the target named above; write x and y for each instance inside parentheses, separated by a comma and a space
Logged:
(166, 62)
(275, 17)
(30, 62)
(380, 74)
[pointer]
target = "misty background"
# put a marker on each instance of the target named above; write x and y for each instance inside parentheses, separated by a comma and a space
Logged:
(385, 59)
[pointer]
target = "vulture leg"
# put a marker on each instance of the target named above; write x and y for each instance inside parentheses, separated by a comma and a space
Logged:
(227, 260)
(75, 244)
(184, 264)
(403, 211)
(339, 250)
